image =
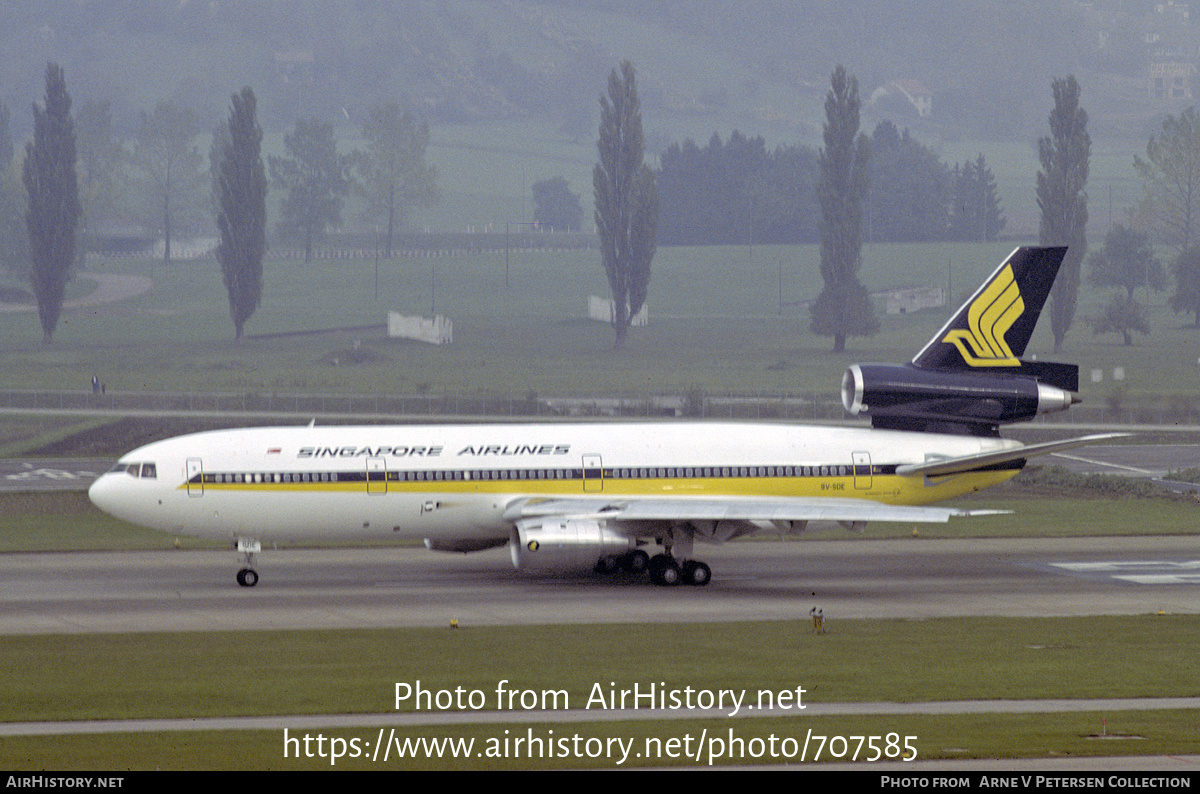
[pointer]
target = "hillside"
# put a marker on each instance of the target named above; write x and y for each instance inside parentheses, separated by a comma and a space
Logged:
(511, 87)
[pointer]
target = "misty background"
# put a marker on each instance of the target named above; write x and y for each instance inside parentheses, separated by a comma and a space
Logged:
(964, 78)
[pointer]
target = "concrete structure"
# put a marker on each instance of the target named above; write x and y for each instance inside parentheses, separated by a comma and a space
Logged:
(438, 331)
(912, 299)
(602, 309)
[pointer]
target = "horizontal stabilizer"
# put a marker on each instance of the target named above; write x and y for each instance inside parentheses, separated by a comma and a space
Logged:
(943, 466)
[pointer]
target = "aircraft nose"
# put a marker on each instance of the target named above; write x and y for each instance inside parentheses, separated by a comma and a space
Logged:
(103, 492)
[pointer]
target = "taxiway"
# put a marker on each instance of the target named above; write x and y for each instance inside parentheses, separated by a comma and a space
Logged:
(764, 580)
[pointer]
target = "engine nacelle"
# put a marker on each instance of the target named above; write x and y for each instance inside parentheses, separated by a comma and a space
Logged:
(564, 544)
(910, 398)
(463, 545)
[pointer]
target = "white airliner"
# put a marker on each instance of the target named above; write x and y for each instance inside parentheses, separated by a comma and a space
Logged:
(597, 495)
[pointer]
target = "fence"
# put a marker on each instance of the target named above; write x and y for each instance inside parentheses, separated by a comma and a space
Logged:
(800, 406)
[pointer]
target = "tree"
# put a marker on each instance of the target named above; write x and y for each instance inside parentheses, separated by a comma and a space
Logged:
(1062, 198)
(910, 191)
(14, 239)
(977, 215)
(171, 165)
(1187, 284)
(843, 308)
(736, 192)
(626, 200)
(1171, 180)
(53, 195)
(1122, 315)
(555, 206)
(101, 158)
(316, 179)
(242, 217)
(6, 141)
(395, 175)
(1127, 261)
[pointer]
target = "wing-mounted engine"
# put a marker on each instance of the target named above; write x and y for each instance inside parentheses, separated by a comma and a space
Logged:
(901, 397)
(565, 544)
(970, 378)
(463, 545)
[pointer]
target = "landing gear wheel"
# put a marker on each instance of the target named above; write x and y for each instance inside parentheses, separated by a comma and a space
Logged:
(696, 573)
(664, 570)
(636, 561)
(247, 548)
(608, 565)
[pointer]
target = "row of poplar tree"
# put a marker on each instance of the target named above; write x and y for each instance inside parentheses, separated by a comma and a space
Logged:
(51, 182)
(74, 169)
(843, 307)
(1169, 211)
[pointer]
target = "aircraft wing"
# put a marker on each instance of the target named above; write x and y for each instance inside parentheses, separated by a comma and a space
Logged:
(686, 508)
(942, 466)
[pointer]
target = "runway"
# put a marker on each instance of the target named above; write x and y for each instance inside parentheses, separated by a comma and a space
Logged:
(753, 581)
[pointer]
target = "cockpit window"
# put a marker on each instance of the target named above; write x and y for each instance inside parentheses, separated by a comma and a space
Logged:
(147, 471)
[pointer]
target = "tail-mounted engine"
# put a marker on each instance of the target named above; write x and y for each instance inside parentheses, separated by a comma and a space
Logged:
(910, 398)
(564, 544)
(970, 377)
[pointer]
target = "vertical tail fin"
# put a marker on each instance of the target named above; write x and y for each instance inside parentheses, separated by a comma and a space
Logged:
(990, 331)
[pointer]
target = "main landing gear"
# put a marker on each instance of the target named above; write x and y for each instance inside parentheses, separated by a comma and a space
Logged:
(247, 576)
(664, 569)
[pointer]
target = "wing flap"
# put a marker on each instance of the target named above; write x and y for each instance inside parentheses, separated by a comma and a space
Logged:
(687, 508)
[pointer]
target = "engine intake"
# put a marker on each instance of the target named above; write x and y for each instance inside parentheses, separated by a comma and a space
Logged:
(564, 544)
(911, 398)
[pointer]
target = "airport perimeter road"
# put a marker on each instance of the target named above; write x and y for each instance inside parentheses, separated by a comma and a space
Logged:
(752, 581)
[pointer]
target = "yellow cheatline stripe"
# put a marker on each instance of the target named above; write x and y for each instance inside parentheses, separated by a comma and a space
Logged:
(888, 489)
(989, 318)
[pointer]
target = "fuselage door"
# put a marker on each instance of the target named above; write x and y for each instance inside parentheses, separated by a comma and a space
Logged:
(376, 475)
(862, 470)
(593, 474)
(195, 477)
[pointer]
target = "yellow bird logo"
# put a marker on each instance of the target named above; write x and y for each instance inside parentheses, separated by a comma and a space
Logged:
(991, 314)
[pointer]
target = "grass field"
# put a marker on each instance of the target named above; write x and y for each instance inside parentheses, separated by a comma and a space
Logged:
(308, 672)
(717, 325)
(946, 737)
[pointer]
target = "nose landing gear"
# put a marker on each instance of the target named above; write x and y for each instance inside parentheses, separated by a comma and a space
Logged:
(247, 576)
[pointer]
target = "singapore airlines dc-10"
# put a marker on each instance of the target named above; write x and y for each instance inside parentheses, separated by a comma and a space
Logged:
(631, 496)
